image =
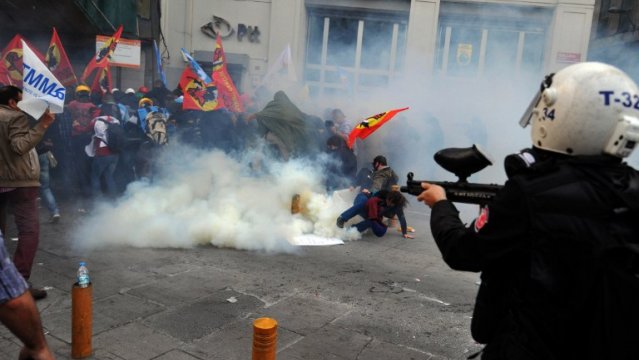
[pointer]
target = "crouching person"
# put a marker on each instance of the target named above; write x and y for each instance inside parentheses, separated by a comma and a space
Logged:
(373, 208)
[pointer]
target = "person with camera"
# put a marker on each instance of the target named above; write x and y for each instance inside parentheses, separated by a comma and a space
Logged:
(558, 247)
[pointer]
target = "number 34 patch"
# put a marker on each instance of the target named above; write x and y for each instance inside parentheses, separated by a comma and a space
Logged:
(482, 219)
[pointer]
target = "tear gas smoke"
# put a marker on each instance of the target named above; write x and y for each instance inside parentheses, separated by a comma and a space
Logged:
(212, 198)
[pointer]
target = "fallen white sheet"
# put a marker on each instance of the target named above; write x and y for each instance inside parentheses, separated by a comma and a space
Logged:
(315, 240)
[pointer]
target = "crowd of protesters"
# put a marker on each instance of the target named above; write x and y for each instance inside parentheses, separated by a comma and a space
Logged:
(81, 156)
(148, 119)
(103, 142)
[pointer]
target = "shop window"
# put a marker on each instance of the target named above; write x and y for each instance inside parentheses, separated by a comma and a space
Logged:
(347, 52)
(484, 40)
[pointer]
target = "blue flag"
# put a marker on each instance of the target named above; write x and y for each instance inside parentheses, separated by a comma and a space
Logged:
(196, 67)
(158, 60)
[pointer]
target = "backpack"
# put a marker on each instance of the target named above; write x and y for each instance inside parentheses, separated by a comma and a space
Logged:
(156, 127)
(115, 136)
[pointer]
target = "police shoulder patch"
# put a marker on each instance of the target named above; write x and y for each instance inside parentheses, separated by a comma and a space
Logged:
(482, 219)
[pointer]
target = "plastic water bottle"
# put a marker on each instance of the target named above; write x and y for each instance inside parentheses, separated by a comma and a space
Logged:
(83, 275)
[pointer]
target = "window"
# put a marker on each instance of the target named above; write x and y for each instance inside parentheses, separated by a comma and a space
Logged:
(491, 41)
(348, 52)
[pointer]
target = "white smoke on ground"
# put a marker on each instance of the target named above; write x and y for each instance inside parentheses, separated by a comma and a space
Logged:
(212, 198)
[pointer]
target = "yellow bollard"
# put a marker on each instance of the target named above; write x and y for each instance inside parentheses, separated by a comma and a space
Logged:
(264, 339)
(81, 321)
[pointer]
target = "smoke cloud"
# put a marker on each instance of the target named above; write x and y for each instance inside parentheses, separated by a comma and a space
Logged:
(213, 198)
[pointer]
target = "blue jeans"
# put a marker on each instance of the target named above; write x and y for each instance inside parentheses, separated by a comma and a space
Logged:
(103, 166)
(45, 181)
(359, 208)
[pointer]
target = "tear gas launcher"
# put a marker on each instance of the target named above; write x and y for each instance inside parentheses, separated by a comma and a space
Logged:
(462, 162)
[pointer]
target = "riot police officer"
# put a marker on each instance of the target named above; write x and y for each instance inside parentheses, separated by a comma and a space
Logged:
(558, 248)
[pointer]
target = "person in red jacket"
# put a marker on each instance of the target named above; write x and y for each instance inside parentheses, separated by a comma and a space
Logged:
(81, 112)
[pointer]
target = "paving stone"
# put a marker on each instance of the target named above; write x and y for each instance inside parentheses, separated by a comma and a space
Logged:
(379, 350)
(329, 342)
(134, 341)
(202, 317)
(59, 323)
(304, 314)
(177, 355)
(9, 348)
(124, 308)
(235, 340)
(113, 281)
(184, 287)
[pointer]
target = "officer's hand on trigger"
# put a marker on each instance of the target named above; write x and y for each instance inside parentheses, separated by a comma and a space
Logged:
(431, 194)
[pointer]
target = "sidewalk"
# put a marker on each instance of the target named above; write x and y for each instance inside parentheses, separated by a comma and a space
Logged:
(371, 299)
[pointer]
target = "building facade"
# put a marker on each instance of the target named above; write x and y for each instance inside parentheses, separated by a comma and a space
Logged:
(344, 46)
(614, 38)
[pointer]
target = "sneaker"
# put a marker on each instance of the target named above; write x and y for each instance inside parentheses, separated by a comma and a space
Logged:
(54, 218)
(37, 293)
(340, 222)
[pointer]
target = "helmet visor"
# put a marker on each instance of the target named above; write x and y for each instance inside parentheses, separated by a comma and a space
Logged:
(527, 117)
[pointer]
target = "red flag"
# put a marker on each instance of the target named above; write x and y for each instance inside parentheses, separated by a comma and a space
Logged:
(198, 95)
(370, 125)
(101, 59)
(12, 59)
(102, 83)
(58, 62)
(226, 88)
(5, 78)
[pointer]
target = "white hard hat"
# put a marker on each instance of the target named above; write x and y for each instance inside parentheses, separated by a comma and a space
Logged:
(129, 91)
(586, 109)
(114, 90)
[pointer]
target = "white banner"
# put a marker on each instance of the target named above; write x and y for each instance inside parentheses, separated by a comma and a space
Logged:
(283, 66)
(40, 89)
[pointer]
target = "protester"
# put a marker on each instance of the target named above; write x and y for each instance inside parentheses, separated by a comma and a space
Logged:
(158, 93)
(283, 126)
(381, 178)
(82, 112)
(105, 158)
(342, 166)
(47, 162)
(142, 91)
(342, 127)
(154, 121)
(130, 100)
(19, 177)
(558, 248)
(373, 209)
(18, 311)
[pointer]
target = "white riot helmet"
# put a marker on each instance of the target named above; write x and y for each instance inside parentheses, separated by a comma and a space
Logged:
(585, 109)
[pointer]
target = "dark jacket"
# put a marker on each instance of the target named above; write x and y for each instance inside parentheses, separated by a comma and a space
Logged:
(559, 254)
(342, 168)
(383, 179)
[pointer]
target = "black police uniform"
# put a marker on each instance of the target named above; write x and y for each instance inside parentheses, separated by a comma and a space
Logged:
(558, 249)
